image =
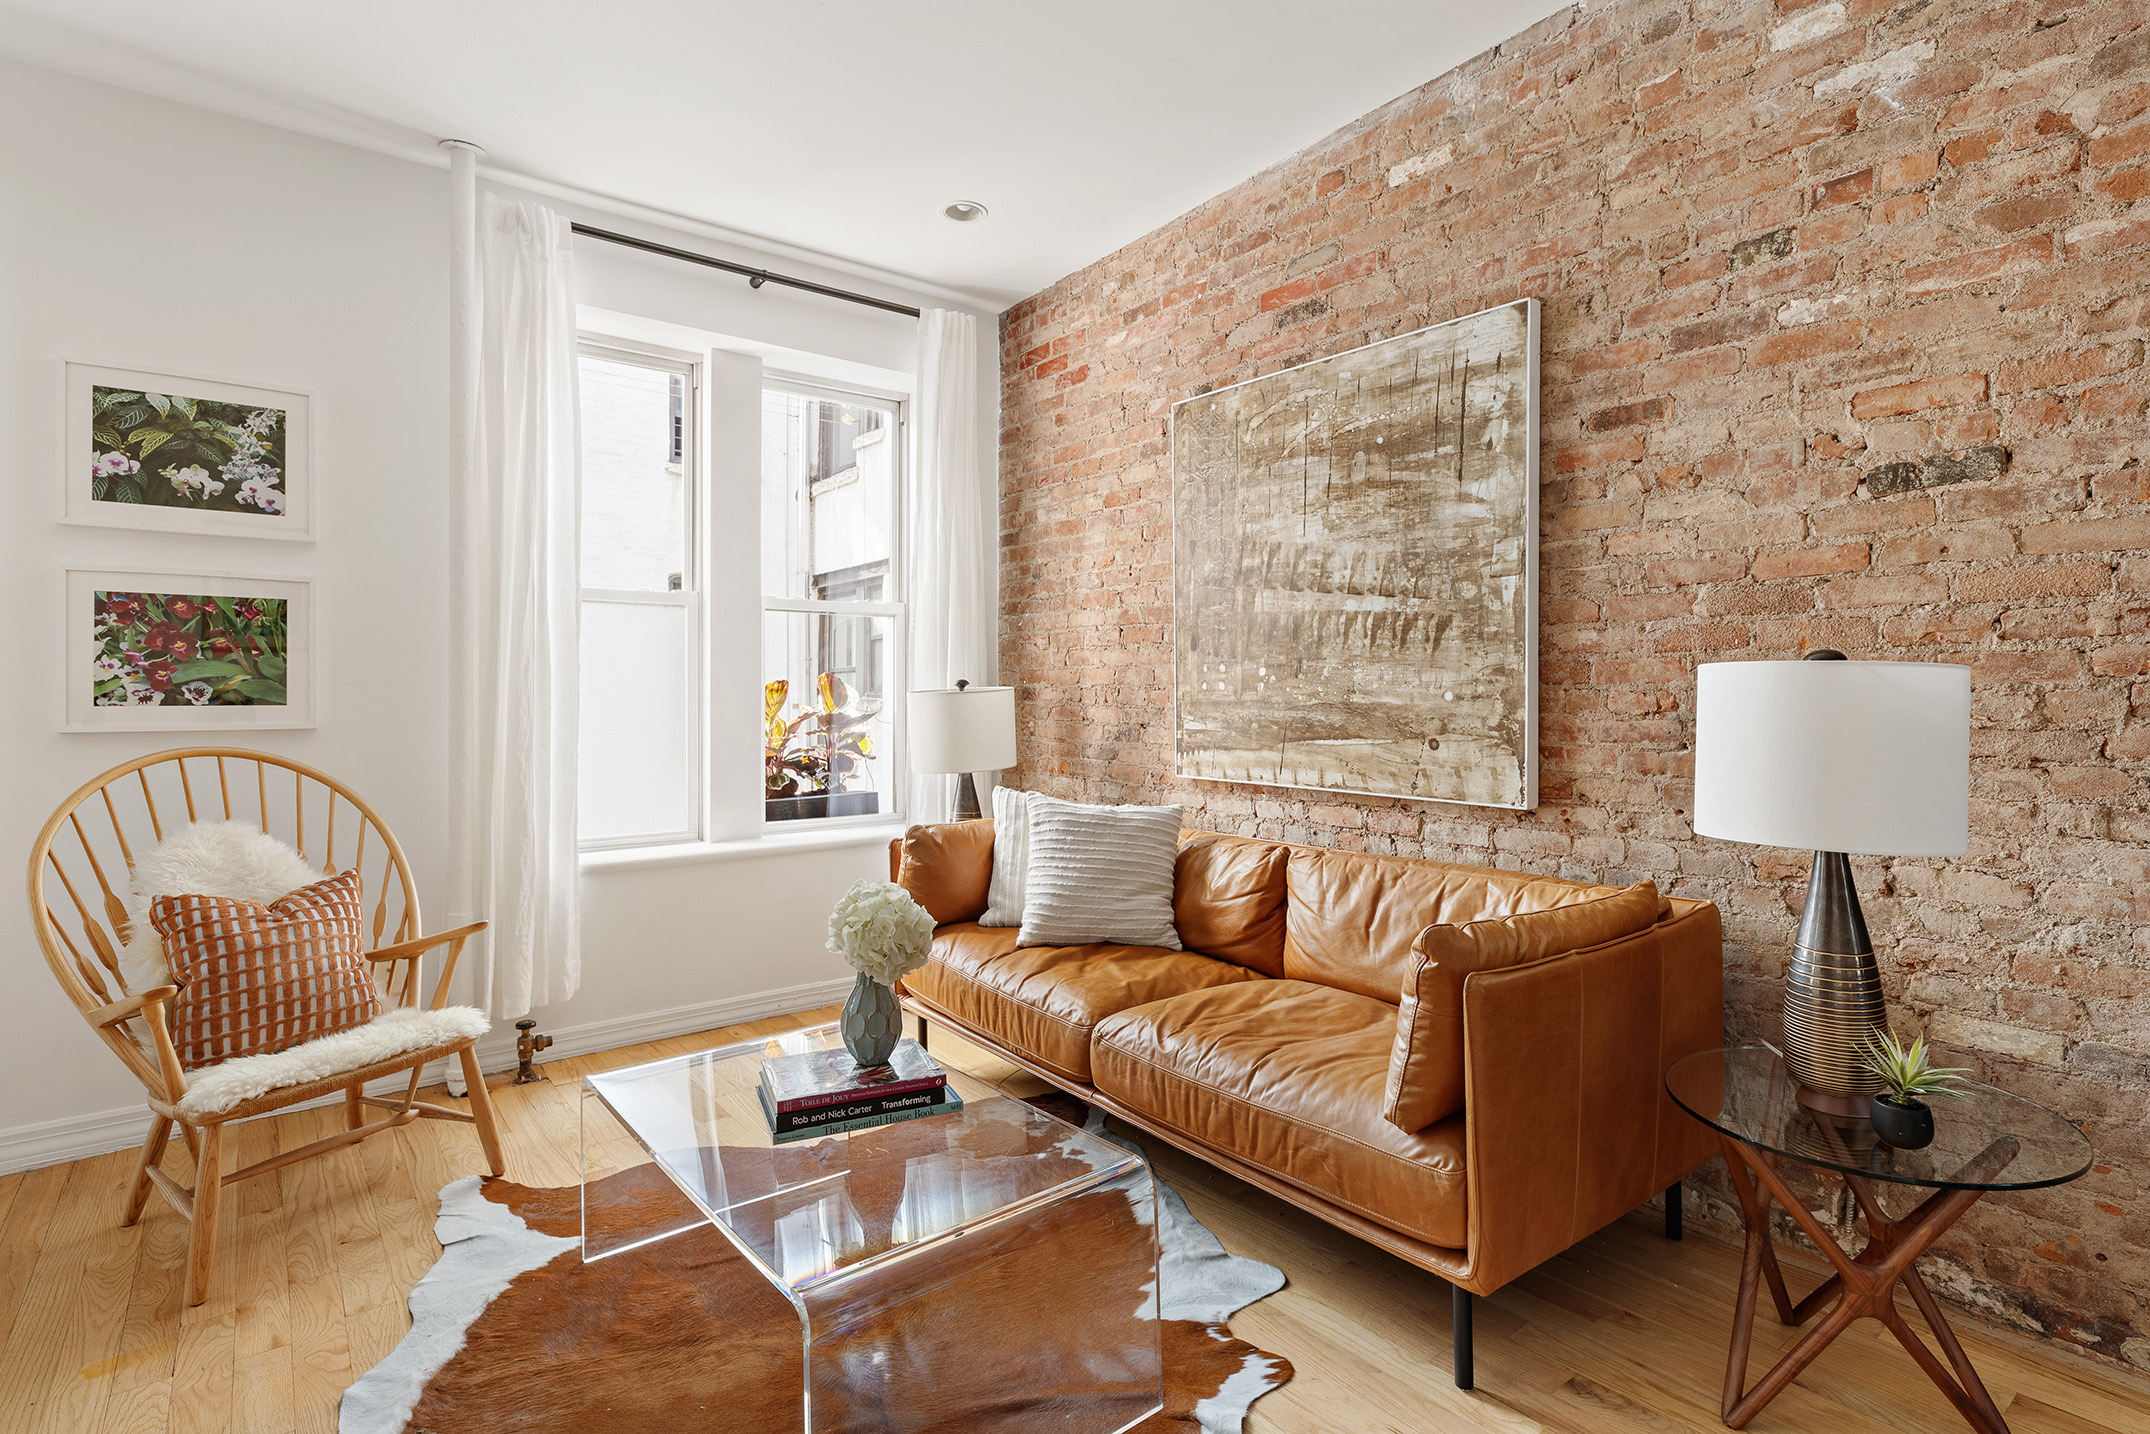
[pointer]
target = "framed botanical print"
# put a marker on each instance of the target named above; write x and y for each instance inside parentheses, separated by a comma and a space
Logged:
(180, 454)
(182, 652)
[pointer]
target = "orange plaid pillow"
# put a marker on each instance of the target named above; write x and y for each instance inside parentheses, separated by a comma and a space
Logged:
(255, 979)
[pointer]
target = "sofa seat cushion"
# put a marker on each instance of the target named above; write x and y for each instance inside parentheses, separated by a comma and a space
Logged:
(1044, 1001)
(1289, 1075)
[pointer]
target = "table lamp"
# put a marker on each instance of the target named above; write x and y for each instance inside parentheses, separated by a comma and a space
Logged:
(963, 729)
(1844, 758)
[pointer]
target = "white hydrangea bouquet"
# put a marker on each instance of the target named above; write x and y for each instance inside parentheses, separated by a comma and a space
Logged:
(881, 931)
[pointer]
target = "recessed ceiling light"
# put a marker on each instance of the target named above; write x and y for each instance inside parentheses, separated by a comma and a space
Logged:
(965, 211)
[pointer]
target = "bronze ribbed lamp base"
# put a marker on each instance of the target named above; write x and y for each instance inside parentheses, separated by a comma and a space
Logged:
(1832, 994)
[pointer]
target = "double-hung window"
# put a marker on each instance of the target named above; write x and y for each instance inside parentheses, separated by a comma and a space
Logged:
(641, 759)
(832, 629)
(669, 642)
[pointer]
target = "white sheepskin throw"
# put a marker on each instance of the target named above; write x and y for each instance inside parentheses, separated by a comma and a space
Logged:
(218, 1088)
(234, 859)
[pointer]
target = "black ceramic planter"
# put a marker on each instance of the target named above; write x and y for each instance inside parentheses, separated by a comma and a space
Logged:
(1909, 1126)
(822, 804)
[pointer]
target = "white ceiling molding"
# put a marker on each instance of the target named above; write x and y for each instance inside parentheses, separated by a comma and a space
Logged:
(831, 135)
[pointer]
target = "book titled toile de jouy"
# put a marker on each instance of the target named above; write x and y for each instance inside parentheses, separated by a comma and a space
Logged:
(814, 1080)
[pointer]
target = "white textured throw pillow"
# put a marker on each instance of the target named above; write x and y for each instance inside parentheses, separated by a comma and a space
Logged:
(1011, 858)
(1099, 874)
(234, 859)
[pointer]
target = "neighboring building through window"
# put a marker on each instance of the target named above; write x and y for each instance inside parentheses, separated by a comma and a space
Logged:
(640, 760)
(831, 622)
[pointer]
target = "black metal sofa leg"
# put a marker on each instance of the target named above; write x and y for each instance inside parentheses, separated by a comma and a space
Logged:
(1460, 1305)
(1460, 1298)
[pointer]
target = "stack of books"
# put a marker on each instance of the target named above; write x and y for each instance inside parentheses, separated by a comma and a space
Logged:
(817, 1093)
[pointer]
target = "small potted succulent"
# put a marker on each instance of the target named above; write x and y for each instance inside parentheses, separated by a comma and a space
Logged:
(1900, 1117)
(885, 934)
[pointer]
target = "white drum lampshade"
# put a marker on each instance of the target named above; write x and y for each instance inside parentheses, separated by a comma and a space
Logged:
(962, 729)
(1868, 758)
(1842, 758)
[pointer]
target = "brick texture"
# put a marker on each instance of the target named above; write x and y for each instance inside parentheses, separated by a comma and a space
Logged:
(1780, 247)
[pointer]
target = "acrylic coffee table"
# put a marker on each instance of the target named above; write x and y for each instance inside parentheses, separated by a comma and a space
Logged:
(991, 1269)
(1986, 1139)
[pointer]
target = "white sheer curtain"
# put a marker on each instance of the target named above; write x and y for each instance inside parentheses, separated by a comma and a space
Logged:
(953, 525)
(515, 684)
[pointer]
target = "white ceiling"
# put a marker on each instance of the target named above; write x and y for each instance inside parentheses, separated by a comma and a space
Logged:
(837, 126)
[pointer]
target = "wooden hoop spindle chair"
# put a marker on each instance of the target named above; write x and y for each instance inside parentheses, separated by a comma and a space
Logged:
(79, 877)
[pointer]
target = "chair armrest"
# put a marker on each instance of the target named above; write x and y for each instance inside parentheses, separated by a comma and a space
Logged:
(160, 1034)
(119, 1011)
(416, 947)
(1567, 1122)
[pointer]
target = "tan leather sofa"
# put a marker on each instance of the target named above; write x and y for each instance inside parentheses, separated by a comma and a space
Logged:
(1535, 1049)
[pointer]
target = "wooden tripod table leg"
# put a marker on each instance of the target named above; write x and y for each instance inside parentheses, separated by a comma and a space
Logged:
(1863, 1287)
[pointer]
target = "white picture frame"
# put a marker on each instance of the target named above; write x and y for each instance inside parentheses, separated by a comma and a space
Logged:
(90, 643)
(218, 508)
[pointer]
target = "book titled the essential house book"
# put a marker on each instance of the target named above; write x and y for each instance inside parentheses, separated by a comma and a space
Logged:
(826, 1092)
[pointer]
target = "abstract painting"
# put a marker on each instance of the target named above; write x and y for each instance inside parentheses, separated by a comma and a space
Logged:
(159, 651)
(1355, 569)
(191, 455)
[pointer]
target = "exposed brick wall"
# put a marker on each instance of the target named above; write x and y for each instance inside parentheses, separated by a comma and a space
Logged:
(1843, 339)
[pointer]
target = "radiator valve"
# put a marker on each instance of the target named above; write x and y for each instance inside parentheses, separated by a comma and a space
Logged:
(527, 1044)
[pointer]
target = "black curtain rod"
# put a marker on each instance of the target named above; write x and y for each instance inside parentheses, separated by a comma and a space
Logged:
(755, 277)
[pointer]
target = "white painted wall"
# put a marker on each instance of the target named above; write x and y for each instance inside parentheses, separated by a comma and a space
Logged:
(147, 234)
(140, 232)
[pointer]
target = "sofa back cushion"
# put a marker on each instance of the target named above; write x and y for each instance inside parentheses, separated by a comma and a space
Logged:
(1425, 1081)
(947, 869)
(1228, 899)
(1352, 918)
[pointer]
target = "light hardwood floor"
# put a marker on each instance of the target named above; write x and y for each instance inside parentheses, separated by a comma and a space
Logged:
(1623, 1333)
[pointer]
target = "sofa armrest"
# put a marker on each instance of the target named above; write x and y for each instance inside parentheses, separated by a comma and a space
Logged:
(947, 868)
(1567, 1122)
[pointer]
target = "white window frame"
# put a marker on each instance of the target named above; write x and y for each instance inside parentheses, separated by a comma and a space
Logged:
(895, 793)
(690, 596)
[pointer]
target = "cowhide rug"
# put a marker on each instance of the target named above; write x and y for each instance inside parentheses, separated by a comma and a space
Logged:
(511, 1330)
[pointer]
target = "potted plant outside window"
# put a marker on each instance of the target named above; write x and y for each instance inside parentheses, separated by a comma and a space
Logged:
(810, 759)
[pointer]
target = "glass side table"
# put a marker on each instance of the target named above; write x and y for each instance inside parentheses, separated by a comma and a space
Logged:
(909, 1252)
(1986, 1139)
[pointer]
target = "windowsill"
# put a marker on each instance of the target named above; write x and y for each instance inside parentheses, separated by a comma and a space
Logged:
(690, 853)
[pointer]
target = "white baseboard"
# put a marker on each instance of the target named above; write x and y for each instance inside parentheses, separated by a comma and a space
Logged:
(496, 1052)
(51, 1142)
